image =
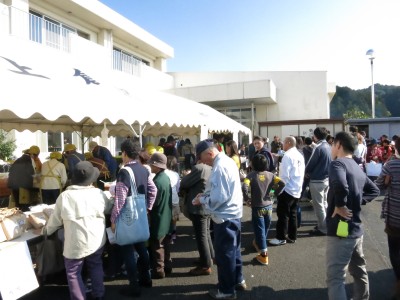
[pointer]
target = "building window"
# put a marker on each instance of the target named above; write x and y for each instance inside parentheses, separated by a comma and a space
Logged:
(54, 141)
(45, 30)
(127, 62)
(240, 115)
(57, 140)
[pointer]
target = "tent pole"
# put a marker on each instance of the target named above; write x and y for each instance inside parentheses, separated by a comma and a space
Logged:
(140, 135)
(82, 137)
(203, 132)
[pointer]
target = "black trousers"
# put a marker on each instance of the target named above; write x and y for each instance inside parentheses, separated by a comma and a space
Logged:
(286, 210)
(394, 254)
(201, 226)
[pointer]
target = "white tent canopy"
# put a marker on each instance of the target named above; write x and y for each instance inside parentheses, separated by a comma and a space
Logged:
(43, 89)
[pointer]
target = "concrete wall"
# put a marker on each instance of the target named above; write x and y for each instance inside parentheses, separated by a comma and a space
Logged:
(390, 129)
(299, 95)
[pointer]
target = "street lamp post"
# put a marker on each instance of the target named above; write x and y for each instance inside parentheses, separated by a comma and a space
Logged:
(371, 55)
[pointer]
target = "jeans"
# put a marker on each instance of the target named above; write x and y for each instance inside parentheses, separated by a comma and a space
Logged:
(343, 253)
(261, 219)
(286, 226)
(319, 193)
(227, 239)
(201, 226)
(394, 254)
(298, 209)
(134, 267)
(73, 269)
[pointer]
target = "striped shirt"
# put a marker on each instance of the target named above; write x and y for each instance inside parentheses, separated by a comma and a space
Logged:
(391, 202)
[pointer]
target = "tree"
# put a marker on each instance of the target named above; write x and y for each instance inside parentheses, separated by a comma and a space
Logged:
(387, 100)
(7, 145)
(355, 113)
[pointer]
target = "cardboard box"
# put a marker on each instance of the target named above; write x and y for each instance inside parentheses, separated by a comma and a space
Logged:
(14, 226)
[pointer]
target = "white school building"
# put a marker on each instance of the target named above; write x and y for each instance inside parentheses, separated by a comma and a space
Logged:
(108, 48)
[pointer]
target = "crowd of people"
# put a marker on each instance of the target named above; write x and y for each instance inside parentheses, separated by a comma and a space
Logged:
(217, 179)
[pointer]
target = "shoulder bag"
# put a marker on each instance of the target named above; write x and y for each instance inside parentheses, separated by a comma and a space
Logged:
(49, 259)
(132, 225)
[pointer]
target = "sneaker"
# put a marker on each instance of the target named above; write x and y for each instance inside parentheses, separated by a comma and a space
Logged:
(276, 242)
(199, 271)
(241, 286)
(256, 246)
(262, 259)
(216, 294)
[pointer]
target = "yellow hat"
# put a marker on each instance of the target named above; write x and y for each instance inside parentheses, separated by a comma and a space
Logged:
(56, 155)
(149, 145)
(34, 150)
(151, 150)
(69, 147)
(88, 155)
(160, 149)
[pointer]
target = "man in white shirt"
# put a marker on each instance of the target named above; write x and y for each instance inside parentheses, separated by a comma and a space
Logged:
(223, 200)
(291, 171)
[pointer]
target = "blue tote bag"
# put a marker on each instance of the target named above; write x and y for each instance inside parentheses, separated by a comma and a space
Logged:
(132, 225)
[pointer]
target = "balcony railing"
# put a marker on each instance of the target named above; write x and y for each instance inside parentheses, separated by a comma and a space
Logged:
(46, 32)
(126, 63)
(39, 29)
(52, 33)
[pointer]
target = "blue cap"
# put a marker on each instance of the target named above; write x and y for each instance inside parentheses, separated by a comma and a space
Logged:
(203, 145)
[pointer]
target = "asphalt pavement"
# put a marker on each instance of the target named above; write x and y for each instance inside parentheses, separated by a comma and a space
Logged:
(295, 271)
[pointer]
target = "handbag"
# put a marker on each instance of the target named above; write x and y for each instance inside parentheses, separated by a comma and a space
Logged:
(132, 225)
(49, 258)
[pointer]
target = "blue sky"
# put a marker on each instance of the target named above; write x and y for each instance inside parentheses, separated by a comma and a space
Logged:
(276, 35)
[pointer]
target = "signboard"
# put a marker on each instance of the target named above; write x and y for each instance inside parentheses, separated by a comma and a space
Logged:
(17, 276)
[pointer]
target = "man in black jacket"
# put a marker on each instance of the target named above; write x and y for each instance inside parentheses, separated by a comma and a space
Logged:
(349, 188)
(191, 185)
(317, 171)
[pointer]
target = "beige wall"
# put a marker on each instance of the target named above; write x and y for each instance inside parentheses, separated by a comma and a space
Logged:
(299, 96)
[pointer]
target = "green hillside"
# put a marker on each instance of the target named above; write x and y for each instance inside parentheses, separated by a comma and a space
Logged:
(350, 103)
